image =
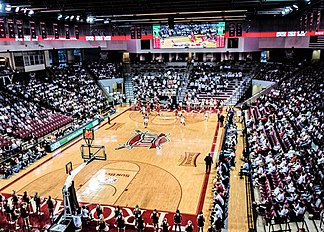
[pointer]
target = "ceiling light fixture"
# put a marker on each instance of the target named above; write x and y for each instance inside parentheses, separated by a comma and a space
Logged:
(31, 12)
(8, 8)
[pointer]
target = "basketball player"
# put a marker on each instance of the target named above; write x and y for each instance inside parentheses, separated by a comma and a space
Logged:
(140, 225)
(155, 219)
(182, 120)
(177, 220)
(148, 108)
(165, 225)
(158, 109)
(146, 120)
(14, 199)
(143, 110)
(50, 205)
(102, 225)
(14, 217)
(206, 116)
(24, 215)
(37, 203)
(176, 114)
(206, 104)
(179, 108)
(189, 227)
(137, 212)
(120, 222)
(200, 222)
(211, 102)
(99, 210)
(117, 212)
(26, 199)
(7, 210)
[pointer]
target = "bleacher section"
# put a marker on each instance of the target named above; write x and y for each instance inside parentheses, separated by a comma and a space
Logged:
(286, 151)
(158, 82)
(275, 72)
(223, 81)
(105, 70)
(70, 92)
(26, 120)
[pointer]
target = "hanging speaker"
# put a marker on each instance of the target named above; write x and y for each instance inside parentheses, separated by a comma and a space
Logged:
(2, 28)
(20, 29)
(231, 30)
(67, 31)
(132, 31)
(138, 33)
(76, 32)
(239, 29)
(11, 28)
(43, 30)
(32, 26)
(56, 31)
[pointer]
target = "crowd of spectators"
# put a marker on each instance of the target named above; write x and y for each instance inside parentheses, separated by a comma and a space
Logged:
(205, 79)
(286, 147)
(33, 107)
(70, 91)
(157, 85)
(18, 159)
(219, 211)
(276, 71)
(209, 83)
(105, 70)
(25, 120)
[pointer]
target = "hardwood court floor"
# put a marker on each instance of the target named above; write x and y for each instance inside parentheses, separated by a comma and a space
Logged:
(167, 178)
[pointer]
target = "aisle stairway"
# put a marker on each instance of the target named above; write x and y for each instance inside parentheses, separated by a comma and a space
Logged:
(184, 87)
(129, 89)
(240, 89)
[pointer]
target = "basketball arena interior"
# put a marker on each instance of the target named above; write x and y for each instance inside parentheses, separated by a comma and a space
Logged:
(183, 115)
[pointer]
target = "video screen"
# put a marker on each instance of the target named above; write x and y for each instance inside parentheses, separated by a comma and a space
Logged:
(189, 36)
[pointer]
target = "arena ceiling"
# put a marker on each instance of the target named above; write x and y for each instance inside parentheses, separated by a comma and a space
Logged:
(149, 11)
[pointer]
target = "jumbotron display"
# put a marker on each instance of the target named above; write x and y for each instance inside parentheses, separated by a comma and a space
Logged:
(189, 36)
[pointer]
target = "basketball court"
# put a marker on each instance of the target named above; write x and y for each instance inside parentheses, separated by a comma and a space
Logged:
(161, 167)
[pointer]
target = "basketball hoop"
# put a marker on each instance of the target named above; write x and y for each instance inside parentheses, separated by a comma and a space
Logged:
(89, 153)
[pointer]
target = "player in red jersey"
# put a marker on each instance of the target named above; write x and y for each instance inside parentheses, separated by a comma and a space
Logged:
(158, 109)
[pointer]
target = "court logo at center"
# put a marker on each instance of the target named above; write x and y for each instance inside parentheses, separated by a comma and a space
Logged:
(145, 139)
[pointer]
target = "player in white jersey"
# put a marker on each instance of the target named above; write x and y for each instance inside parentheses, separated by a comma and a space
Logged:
(146, 120)
(182, 120)
(206, 115)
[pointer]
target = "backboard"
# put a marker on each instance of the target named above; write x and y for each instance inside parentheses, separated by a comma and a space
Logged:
(95, 152)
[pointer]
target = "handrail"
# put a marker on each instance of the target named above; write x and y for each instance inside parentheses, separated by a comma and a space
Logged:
(259, 94)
